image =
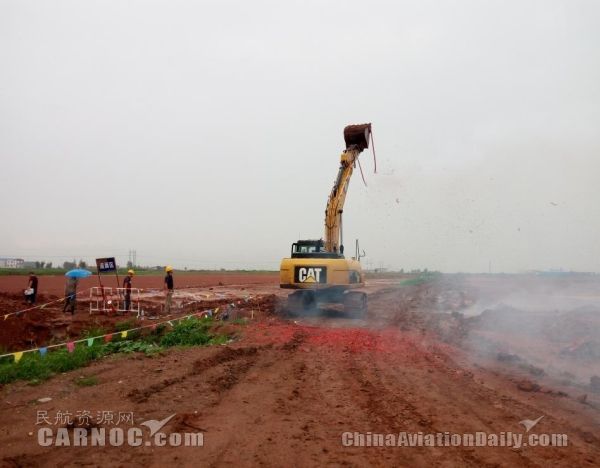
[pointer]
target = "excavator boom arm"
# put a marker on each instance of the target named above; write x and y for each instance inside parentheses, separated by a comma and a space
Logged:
(357, 139)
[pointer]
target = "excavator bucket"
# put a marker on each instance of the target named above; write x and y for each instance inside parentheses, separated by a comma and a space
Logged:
(357, 135)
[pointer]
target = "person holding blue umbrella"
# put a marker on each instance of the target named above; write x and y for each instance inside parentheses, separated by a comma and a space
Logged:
(73, 277)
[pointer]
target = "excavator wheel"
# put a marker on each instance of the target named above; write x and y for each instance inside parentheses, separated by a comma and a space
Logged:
(355, 304)
(301, 302)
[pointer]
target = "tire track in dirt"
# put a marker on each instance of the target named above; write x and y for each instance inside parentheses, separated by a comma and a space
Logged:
(224, 355)
(416, 398)
(385, 409)
(231, 443)
(461, 404)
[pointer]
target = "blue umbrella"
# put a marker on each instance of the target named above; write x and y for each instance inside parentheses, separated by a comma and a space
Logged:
(78, 273)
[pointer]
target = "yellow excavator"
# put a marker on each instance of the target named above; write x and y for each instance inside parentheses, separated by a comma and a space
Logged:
(318, 269)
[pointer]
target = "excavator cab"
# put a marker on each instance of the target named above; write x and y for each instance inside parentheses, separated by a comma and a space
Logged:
(312, 249)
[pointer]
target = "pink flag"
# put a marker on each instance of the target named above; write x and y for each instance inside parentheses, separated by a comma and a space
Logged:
(71, 346)
(107, 338)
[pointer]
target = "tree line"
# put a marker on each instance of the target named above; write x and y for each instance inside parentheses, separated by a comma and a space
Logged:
(66, 265)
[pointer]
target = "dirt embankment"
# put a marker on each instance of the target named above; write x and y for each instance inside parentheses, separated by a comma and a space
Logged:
(50, 325)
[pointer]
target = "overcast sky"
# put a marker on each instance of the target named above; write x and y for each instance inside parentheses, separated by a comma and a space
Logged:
(208, 133)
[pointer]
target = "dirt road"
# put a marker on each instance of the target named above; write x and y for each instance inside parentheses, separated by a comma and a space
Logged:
(286, 392)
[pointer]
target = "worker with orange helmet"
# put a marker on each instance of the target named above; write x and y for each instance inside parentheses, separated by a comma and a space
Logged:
(168, 289)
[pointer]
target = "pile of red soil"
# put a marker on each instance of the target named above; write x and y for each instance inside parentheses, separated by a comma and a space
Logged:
(353, 340)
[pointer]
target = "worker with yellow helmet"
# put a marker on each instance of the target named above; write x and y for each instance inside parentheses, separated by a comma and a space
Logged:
(168, 289)
(127, 289)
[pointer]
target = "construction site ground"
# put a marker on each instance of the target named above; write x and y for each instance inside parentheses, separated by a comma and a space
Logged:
(456, 354)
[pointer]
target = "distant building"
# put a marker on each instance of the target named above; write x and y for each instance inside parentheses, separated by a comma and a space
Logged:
(11, 262)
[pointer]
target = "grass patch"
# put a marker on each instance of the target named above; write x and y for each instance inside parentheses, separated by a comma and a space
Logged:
(94, 331)
(89, 381)
(125, 325)
(35, 368)
(191, 332)
(130, 346)
(421, 279)
(37, 271)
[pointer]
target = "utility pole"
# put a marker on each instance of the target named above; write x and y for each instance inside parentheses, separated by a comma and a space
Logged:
(132, 257)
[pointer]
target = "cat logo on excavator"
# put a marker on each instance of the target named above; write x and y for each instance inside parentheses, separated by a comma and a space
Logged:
(310, 274)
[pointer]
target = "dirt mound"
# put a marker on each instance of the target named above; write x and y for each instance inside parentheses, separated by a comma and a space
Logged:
(32, 329)
(41, 327)
(588, 351)
(578, 324)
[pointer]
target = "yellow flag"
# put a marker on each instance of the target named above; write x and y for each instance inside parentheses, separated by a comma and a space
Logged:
(18, 355)
(124, 334)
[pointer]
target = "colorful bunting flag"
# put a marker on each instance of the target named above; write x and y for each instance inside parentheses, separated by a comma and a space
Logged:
(124, 334)
(90, 341)
(107, 338)
(6, 316)
(43, 351)
(18, 355)
(71, 346)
